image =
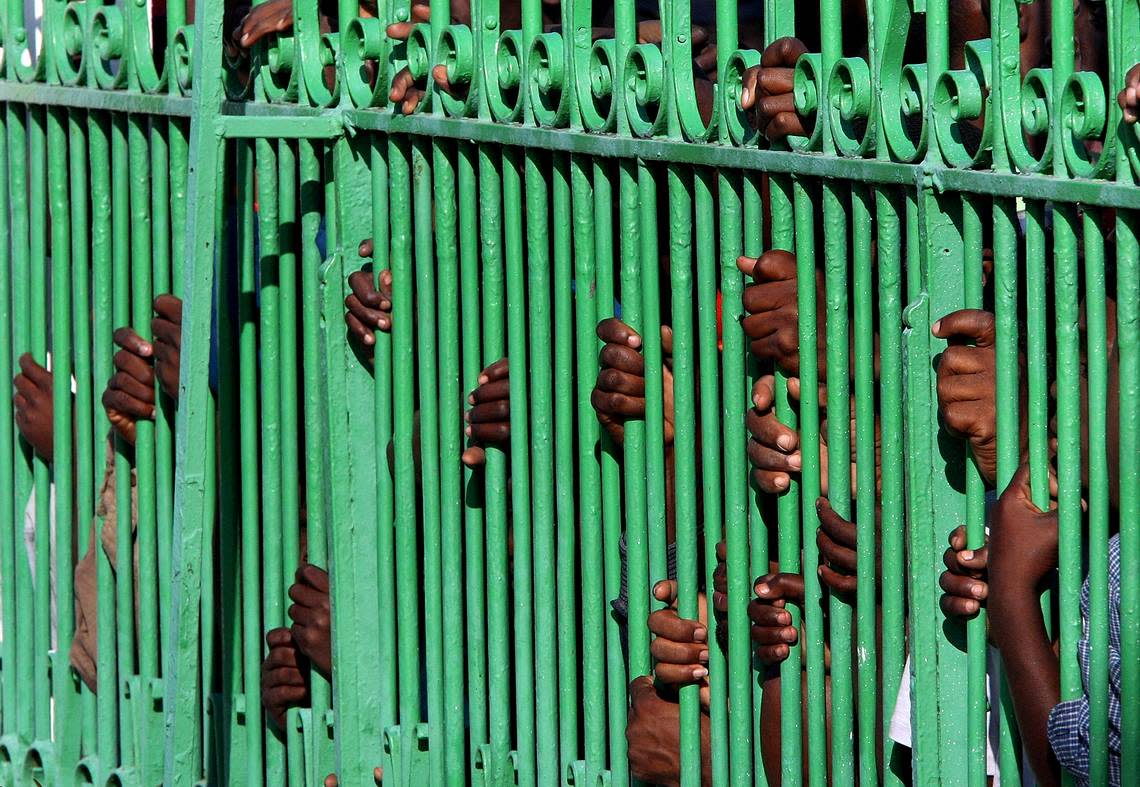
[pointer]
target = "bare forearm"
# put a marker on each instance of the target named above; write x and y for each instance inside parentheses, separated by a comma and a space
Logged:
(1032, 671)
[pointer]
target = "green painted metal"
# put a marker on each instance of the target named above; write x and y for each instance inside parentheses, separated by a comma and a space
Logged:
(564, 179)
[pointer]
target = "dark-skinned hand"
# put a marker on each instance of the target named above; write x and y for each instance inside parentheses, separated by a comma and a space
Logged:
(368, 309)
(406, 91)
(680, 647)
(766, 90)
(773, 448)
(967, 383)
(772, 324)
(166, 327)
(964, 582)
(619, 393)
(1023, 539)
(284, 676)
(312, 617)
(772, 631)
(34, 407)
(130, 392)
(489, 419)
(1129, 97)
(653, 733)
(837, 542)
(269, 18)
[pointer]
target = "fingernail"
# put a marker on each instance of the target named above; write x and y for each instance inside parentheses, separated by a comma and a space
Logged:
(484, 379)
(784, 619)
(699, 635)
(703, 656)
(467, 431)
(762, 589)
(369, 339)
(700, 672)
(786, 442)
(977, 590)
(968, 554)
(718, 598)
(936, 326)
(789, 634)
(756, 401)
(744, 94)
(795, 461)
(781, 483)
(471, 399)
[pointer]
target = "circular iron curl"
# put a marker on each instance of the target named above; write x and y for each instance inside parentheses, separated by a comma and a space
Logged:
(152, 77)
(1011, 92)
(735, 118)
(69, 48)
(807, 81)
(314, 50)
(643, 93)
(182, 58)
(546, 79)
(595, 85)
(680, 59)
(1085, 114)
(902, 88)
(850, 100)
(364, 41)
(278, 63)
(108, 44)
(455, 51)
(962, 95)
(237, 74)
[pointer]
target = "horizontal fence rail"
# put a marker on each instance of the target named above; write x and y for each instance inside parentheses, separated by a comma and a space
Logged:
(566, 393)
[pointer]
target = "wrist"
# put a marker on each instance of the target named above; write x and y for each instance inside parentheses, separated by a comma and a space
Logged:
(1012, 608)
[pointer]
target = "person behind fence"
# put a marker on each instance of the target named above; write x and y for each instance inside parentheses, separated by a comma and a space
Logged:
(129, 398)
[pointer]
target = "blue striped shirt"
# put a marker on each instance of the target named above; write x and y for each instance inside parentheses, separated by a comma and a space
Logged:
(1069, 721)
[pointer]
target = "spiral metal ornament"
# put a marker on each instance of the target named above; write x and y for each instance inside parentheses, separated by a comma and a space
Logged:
(851, 106)
(1085, 111)
(182, 58)
(1006, 76)
(735, 118)
(602, 75)
(546, 79)
(237, 76)
(19, 58)
(962, 96)
(807, 84)
(69, 47)
(455, 51)
(314, 51)
(279, 72)
(644, 90)
(678, 49)
(109, 44)
(902, 97)
(151, 77)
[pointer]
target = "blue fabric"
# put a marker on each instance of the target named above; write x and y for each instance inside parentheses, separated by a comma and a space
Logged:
(1069, 721)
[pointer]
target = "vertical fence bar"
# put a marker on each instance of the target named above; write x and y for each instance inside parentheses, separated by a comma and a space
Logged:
(1098, 501)
(541, 386)
(684, 402)
(616, 682)
(567, 536)
(473, 534)
(450, 442)
(708, 436)
(9, 502)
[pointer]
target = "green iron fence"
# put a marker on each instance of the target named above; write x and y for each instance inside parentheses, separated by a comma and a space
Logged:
(568, 175)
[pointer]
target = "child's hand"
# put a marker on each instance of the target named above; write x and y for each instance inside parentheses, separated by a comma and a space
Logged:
(1023, 540)
(963, 583)
(489, 419)
(653, 734)
(34, 407)
(404, 90)
(767, 90)
(284, 683)
(269, 18)
(130, 392)
(772, 323)
(368, 309)
(773, 448)
(167, 330)
(619, 393)
(967, 381)
(680, 647)
(837, 542)
(312, 617)
(772, 631)
(1129, 97)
